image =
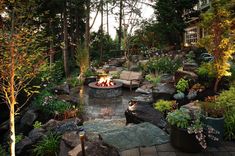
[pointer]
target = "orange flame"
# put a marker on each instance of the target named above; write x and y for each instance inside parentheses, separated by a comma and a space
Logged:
(105, 81)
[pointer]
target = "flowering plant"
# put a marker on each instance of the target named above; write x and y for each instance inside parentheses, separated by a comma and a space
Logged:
(201, 130)
(183, 118)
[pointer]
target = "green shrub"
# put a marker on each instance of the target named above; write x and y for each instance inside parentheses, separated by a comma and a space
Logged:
(49, 105)
(19, 138)
(230, 125)
(57, 72)
(163, 105)
(74, 81)
(89, 73)
(82, 58)
(179, 96)
(53, 73)
(37, 124)
(163, 65)
(227, 100)
(232, 70)
(2, 151)
(190, 56)
(153, 79)
(48, 146)
(180, 118)
(182, 85)
(206, 70)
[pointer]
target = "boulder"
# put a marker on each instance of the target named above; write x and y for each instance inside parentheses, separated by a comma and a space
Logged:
(98, 148)
(192, 67)
(143, 99)
(145, 89)
(69, 98)
(186, 75)
(192, 107)
(63, 126)
(61, 89)
(75, 151)
(50, 125)
(71, 139)
(68, 125)
(95, 148)
(134, 67)
(167, 78)
(138, 112)
(28, 118)
(23, 145)
(64, 149)
(163, 91)
(116, 62)
(36, 134)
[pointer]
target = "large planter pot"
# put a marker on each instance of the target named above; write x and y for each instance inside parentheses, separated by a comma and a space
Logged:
(184, 141)
(218, 125)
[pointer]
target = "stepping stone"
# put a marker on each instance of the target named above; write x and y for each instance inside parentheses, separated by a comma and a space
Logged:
(99, 126)
(132, 136)
(93, 128)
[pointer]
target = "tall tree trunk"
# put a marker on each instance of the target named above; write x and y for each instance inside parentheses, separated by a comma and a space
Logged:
(107, 20)
(12, 89)
(216, 84)
(87, 29)
(65, 50)
(120, 26)
(101, 29)
(13, 101)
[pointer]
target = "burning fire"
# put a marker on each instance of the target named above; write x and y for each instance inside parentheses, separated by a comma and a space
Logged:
(105, 81)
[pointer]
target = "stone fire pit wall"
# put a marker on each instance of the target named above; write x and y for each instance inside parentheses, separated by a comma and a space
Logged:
(105, 92)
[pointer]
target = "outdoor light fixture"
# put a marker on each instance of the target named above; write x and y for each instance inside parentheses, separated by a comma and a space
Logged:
(82, 139)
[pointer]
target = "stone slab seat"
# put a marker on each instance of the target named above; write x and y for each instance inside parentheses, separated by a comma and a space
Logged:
(130, 79)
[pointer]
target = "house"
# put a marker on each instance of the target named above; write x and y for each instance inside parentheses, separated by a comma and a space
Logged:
(193, 32)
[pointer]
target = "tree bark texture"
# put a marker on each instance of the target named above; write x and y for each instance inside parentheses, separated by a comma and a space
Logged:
(65, 49)
(13, 101)
(120, 26)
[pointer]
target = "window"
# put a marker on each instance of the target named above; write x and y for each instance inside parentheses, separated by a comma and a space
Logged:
(191, 36)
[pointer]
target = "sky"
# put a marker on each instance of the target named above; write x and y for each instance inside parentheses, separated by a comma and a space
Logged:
(146, 13)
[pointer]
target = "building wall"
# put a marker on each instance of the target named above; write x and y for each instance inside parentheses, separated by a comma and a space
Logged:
(193, 32)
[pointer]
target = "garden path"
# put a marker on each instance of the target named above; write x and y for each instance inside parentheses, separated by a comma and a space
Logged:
(114, 108)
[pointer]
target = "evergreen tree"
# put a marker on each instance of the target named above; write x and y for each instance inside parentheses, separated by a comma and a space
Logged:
(170, 23)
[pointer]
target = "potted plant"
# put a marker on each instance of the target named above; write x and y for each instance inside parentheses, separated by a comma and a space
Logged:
(213, 115)
(188, 132)
(179, 121)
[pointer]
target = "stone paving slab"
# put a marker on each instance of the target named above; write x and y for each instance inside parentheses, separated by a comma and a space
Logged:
(167, 150)
(166, 154)
(131, 152)
(132, 136)
(148, 151)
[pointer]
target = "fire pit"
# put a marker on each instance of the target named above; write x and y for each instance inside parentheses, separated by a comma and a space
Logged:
(105, 87)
